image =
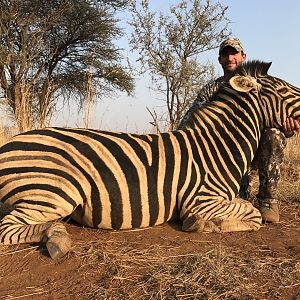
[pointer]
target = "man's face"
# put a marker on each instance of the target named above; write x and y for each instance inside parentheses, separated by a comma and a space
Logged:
(230, 58)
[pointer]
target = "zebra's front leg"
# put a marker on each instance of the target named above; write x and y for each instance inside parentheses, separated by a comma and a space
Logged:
(222, 216)
(58, 241)
(15, 230)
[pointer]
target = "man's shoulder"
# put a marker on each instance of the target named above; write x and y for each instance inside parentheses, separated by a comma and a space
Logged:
(215, 81)
(213, 85)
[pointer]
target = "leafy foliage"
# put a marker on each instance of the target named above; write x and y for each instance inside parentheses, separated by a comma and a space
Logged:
(50, 47)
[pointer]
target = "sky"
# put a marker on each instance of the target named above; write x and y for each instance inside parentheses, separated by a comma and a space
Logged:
(269, 31)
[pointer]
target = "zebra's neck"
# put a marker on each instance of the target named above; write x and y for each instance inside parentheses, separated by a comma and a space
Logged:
(234, 125)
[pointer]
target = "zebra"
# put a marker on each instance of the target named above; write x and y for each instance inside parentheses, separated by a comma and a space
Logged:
(115, 180)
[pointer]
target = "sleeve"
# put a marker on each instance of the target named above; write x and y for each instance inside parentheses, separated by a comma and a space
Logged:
(204, 95)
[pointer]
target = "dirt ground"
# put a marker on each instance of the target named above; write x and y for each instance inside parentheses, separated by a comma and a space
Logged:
(161, 263)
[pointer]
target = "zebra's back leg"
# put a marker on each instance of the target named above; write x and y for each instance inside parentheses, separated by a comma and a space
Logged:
(19, 227)
(223, 216)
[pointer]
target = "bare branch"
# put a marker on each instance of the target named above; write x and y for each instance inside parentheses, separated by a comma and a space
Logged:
(170, 47)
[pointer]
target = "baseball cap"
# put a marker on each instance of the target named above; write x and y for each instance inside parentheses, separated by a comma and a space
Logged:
(232, 42)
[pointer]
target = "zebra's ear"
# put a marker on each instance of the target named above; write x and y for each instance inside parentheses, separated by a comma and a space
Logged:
(243, 83)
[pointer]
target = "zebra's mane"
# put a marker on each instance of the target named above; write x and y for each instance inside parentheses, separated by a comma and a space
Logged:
(253, 68)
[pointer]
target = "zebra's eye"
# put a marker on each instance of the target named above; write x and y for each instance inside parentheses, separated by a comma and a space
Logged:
(282, 90)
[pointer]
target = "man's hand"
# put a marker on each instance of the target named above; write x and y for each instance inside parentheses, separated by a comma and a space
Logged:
(290, 127)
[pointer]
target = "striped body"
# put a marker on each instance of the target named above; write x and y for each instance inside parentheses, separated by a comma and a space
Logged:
(137, 181)
(115, 180)
(123, 181)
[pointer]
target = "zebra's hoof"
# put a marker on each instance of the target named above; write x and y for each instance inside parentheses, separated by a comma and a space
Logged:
(57, 251)
(59, 242)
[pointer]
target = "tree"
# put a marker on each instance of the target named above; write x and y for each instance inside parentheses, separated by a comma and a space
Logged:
(50, 48)
(169, 48)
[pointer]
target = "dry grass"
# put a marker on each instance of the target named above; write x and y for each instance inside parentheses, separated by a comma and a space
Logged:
(125, 272)
(290, 181)
(6, 133)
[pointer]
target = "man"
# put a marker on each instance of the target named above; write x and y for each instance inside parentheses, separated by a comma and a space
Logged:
(269, 157)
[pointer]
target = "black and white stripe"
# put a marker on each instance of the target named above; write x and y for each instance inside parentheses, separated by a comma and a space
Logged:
(122, 181)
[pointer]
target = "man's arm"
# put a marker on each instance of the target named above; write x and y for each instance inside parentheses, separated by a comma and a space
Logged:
(203, 96)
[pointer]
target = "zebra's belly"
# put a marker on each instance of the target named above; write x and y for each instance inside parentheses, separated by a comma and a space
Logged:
(125, 213)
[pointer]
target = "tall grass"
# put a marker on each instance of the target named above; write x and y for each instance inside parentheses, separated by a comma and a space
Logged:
(292, 151)
(290, 178)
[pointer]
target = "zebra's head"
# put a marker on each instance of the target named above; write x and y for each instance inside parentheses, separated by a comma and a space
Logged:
(276, 98)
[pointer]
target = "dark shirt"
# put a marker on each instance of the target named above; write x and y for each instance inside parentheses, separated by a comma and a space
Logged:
(204, 95)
